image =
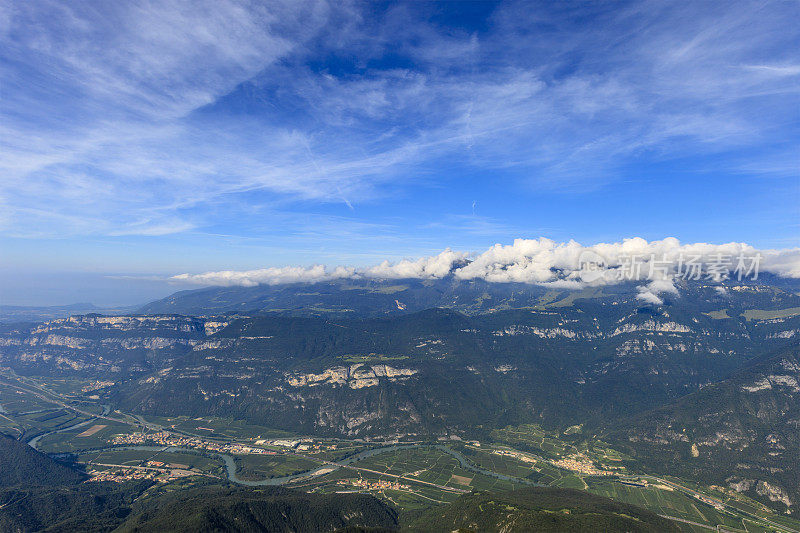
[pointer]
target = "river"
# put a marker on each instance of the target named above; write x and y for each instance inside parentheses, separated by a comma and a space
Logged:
(463, 461)
(230, 464)
(34, 442)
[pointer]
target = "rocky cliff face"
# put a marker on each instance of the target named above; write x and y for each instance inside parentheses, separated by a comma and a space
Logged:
(94, 344)
(436, 370)
(567, 359)
(356, 376)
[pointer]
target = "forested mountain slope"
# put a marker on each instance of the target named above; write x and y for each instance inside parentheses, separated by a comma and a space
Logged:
(743, 433)
(539, 509)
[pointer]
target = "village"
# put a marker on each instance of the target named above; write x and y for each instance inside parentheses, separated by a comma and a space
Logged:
(373, 484)
(576, 463)
(163, 473)
(582, 465)
(168, 439)
(165, 438)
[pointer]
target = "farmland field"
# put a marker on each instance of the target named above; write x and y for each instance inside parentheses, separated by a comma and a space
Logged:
(77, 439)
(257, 467)
(664, 501)
(762, 314)
(215, 427)
(433, 466)
(169, 456)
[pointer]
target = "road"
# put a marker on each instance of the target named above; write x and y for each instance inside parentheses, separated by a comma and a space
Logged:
(377, 472)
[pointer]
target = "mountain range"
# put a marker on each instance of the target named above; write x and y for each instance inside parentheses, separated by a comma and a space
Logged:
(704, 383)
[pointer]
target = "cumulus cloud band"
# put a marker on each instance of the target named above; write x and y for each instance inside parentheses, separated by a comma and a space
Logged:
(547, 262)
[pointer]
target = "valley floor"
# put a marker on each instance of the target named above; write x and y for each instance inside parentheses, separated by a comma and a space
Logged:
(54, 417)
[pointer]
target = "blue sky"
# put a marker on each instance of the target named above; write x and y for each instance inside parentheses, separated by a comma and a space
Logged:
(145, 139)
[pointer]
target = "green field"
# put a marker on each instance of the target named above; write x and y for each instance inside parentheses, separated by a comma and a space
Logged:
(19, 401)
(574, 295)
(762, 314)
(218, 428)
(430, 465)
(498, 463)
(77, 439)
(257, 467)
(570, 481)
(175, 459)
(24, 415)
(343, 450)
(67, 387)
(602, 452)
(666, 502)
(531, 436)
(52, 419)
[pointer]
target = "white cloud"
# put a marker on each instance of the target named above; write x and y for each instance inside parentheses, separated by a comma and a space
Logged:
(267, 276)
(649, 297)
(546, 262)
(154, 228)
(650, 292)
(659, 286)
(437, 266)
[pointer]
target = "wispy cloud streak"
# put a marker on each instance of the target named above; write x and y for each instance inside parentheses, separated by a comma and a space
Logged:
(150, 118)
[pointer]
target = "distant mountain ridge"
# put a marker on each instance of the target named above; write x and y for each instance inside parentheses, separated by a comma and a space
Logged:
(374, 297)
(11, 314)
(345, 297)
